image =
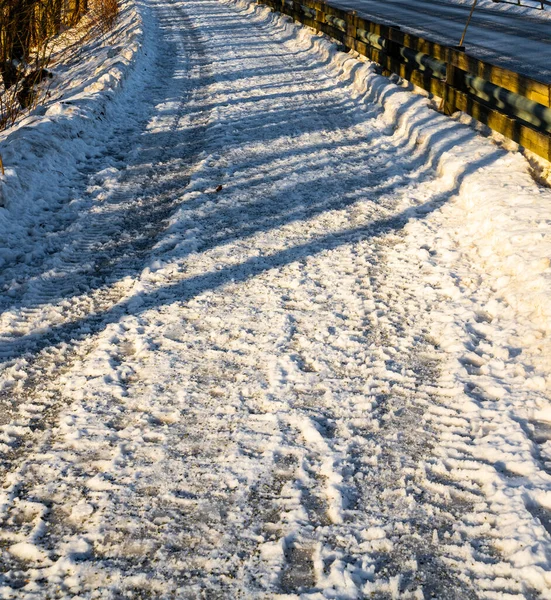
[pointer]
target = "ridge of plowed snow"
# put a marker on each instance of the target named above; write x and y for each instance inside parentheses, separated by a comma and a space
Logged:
(43, 151)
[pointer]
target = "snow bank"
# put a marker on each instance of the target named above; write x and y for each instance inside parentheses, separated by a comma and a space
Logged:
(483, 250)
(41, 149)
(497, 219)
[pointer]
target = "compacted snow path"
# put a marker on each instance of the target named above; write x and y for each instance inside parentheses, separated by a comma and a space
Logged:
(222, 381)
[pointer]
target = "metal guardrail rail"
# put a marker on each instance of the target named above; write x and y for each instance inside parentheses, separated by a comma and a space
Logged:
(512, 104)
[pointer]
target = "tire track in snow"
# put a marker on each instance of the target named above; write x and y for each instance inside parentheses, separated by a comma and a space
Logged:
(384, 542)
(105, 248)
(320, 498)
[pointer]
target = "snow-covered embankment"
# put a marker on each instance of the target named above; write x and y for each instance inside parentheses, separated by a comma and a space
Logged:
(43, 150)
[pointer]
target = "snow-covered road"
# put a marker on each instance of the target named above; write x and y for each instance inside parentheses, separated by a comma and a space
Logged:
(224, 374)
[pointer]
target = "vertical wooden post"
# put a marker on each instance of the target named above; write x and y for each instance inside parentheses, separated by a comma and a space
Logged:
(350, 30)
(448, 100)
(320, 14)
(351, 23)
(455, 80)
(392, 49)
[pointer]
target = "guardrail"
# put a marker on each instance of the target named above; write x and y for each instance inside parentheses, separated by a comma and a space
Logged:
(512, 104)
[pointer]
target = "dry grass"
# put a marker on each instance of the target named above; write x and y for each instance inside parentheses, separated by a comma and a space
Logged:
(27, 30)
(26, 26)
(103, 15)
(27, 90)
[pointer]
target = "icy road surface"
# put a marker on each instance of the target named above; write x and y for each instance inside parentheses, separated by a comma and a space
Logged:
(521, 42)
(221, 377)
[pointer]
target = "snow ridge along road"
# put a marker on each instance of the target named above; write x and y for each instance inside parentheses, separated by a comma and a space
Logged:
(253, 364)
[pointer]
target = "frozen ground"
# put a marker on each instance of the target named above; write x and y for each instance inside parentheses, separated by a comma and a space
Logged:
(271, 328)
(518, 38)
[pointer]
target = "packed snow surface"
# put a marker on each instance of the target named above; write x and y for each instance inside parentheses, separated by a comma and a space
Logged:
(271, 327)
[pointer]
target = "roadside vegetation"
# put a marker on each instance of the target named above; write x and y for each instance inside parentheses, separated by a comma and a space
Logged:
(28, 30)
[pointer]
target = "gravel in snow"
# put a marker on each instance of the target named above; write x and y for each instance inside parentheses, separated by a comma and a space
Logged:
(284, 333)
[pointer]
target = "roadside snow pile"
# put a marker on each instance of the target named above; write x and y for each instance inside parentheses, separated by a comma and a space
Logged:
(484, 251)
(42, 149)
(498, 219)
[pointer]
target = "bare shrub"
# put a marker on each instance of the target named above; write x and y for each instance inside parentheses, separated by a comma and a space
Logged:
(103, 15)
(26, 29)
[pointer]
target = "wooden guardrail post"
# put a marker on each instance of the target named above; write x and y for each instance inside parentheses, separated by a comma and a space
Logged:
(317, 5)
(350, 40)
(391, 51)
(454, 81)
